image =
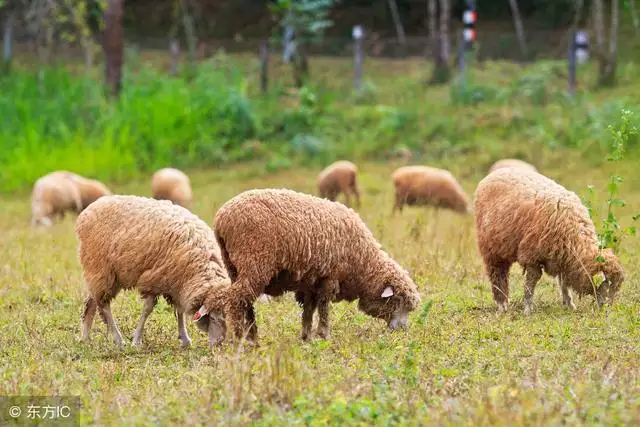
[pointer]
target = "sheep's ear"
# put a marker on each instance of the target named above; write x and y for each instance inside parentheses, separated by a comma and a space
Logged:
(388, 292)
(201, 312)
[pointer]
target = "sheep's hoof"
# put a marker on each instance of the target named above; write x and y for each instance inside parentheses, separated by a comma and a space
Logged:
(305, 336)
(502, 307)
(527, 310)
(323, 333)
(136, 343)
(185, 343)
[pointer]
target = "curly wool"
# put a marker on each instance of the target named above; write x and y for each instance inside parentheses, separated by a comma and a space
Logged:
(339, 177)
(53, 195)
(171, 184)
(515, 163)
(276, 240)
(424, 185)
(156, 247)
(525, 217)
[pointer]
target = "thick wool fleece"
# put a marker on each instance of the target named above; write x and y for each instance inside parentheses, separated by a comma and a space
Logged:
(423, 185)
(156, 247)
(525, 217)
(339, 177)
(53, 195)
(514, 163)
(171, 184)
(274, 240)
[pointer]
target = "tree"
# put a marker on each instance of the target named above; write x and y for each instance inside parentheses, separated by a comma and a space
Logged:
(607, 53)
(113, 45)
(7, 39)
(517, 22)
(305, 22)
(395, 15)
(441, 69)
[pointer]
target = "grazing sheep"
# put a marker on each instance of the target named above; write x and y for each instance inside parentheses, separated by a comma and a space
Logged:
(525, 217)
(423, 185)
(339, 177)
(53, 195)
(507, 163)
(171, 184)
(90, 189)
(278, 240)
(156, 247)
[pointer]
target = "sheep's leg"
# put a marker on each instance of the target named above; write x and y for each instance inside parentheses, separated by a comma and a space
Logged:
(400, 199)
(149, 303)
(356, 194)
(308, 308)
(88, 314)
(105, 311)
(252, 333)
(347, 197)
(567, 301)
(323, 318)
(532, 276)
(183, 335)
(499, 277)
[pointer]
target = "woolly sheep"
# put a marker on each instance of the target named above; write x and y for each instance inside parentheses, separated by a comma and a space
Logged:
(90, 189)
(525, 217)
(339, 177)
(156, 247)
(277, 240)
(53, 195)
(171, 184)
(424, 185)
(506, 163)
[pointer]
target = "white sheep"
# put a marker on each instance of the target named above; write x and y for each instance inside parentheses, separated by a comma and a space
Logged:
(171, 184)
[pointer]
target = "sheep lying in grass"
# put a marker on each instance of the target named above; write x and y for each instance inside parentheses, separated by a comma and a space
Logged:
(511, 163)
(53, 195)
(524, 217)
(423, 185)
(277, 240)
(171, 184)
(156, 247)
(339, 177)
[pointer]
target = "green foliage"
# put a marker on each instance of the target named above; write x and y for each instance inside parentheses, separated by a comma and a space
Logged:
(610, 232)
(308, 18)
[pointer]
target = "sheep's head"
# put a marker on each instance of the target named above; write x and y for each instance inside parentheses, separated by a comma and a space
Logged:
(393, 299)
(613, 272)
(210, 317)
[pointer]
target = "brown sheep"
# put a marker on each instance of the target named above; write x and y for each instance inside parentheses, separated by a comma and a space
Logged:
(53, 195)
(172, 184)
(506, 163)
(525, 217)
(277, 240)
(156, 247)
(424, 185)
(339, 177)
(90, 189)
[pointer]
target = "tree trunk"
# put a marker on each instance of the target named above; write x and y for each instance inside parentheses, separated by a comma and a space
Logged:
(598, 26)
(432, 12)
(441, 70)
(634, 15)
(190, 33)
(7, 43)
(517, 22)
(300, 67)
(113, 45)
(174, 51)
(395, 15)
(612, 54)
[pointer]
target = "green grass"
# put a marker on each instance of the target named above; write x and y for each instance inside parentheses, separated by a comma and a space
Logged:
(459, 363)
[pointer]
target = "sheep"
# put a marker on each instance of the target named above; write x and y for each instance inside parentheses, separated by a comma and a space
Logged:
(171, 184)
(339, 177)
(525, 217)
(505, 163)
(424, 185)
(278, 240)
(53, 195)
(90, 189)
(156, 247)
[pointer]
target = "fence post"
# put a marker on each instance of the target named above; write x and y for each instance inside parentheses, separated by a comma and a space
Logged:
(468, 34)
(174, 50)
(7, 53)
(578, 54)
(358, 55)
(264, 66)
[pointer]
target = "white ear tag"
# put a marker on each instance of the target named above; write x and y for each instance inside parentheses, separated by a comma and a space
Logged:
(201, 312)
(388, 292)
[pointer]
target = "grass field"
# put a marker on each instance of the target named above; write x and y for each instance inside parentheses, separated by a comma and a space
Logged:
(459, 363)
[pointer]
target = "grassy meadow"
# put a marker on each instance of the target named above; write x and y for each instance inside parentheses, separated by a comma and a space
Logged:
(460, 362)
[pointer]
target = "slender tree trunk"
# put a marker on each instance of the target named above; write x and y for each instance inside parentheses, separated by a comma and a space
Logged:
(395, 15)
(517, 22)
(612, 54)
(441, 70)
(634, 14)
(113, 45)
(189, 31)
(598, 26)
(432, 12)
(7, 42)
(174, 51)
